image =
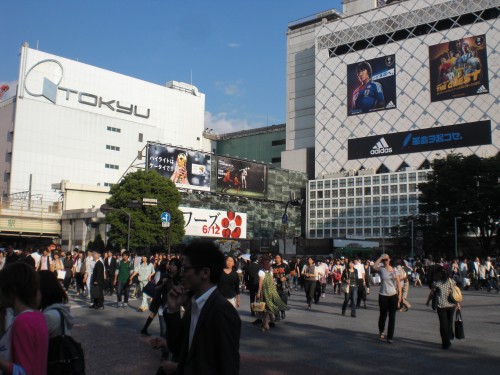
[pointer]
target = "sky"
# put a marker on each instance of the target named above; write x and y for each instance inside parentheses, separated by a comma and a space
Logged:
(233, 51)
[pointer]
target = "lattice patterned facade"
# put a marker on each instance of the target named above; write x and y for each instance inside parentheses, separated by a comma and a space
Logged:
(404, 30)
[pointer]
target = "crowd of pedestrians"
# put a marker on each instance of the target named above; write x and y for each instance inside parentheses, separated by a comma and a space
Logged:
(35, 285)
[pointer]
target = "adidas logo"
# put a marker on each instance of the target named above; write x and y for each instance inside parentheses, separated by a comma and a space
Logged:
(381, 148)
(481, 90)
(390, 105)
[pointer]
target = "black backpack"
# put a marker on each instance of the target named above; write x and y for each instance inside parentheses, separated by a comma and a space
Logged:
(65, 354)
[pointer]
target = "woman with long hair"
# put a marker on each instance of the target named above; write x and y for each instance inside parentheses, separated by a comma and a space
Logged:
(351, 279)
(390, 295)
(145, 274)
(54, 304)
(267, 293)
(172, 278)
(27, 337)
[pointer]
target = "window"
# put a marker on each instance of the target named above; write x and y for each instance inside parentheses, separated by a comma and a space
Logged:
(359, 191)
(327, 184)
(350, 192)
(342, 192)
(376, 190)
(278, 142)
(140, 137)
(113, 148)
(394, 189)
(368, 191)
(312, 195)
(385, 189)
(116, 130)
(108, 184)
(276, 160)
(327, 194)
(402, 189)
(320, 195)
(320, 184)
(111, 166)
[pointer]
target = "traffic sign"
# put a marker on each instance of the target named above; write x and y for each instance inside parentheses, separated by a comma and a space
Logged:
(284, 219)
(165, 217)
(165, 224)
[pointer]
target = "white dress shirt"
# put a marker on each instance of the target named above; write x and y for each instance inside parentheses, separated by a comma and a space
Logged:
(196, 307)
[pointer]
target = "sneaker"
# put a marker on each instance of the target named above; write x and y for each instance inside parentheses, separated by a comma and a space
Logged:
(119, 304)
(125, 305)
(323, 295)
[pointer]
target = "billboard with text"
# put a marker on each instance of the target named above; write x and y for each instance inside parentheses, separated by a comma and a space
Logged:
(188, 169)
(459, 68)
(214, 223)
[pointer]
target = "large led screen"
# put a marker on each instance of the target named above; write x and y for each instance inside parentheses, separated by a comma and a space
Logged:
(371, 85)
(241, 177)
(432, 139)
(458, 68)
(214, 223)
(186, 168)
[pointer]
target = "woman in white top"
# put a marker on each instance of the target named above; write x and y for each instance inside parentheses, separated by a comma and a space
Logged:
(390, 295)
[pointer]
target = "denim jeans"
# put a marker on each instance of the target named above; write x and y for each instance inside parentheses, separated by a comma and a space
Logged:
(122, 287)
(352, 295)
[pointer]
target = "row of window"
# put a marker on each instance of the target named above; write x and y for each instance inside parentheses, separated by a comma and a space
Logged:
(365, 212)
(366, 201)
(111, 166)
(375, 190)
(113, 148)
(368, 180)
(118, 130)
(342, 233)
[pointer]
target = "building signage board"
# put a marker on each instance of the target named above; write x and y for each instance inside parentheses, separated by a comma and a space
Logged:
(241, 177)
(371, 85)
(214, 223)
(459, 68)
(440, 138)
(189, 169)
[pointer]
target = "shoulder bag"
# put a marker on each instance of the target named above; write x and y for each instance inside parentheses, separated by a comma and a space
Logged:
(455, 292)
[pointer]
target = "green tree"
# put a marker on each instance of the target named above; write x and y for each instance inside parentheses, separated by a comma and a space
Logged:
(146, 231)
(465, 187)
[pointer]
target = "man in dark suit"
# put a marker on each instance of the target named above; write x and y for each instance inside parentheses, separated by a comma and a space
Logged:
(206, 339)
(252, 280)
(97, 280)
(110, 266)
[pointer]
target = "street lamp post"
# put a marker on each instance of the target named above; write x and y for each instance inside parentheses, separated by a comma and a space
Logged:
(411, 221)
(456, 237)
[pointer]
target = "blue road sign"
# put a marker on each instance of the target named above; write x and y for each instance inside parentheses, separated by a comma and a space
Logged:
(165, 217)
(284, 219)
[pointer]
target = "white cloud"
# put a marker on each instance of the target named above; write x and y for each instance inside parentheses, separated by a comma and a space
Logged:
(231, 88)
(221, 123)
(233, 45)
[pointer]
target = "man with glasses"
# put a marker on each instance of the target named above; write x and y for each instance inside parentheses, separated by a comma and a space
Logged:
(206, 339)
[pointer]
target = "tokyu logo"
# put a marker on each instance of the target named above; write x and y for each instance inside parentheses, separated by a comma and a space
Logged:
(381, 148)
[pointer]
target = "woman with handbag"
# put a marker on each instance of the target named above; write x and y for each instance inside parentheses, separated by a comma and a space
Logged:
(145, 273)
(440, 293)
(349, 287)
(390, 295)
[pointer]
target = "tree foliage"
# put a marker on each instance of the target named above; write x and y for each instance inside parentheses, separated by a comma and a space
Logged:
(464, 187)
(146, 232)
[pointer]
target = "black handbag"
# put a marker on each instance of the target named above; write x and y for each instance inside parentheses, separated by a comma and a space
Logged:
(459, 326)
(65, 354)
(150, 288)
(95, 291)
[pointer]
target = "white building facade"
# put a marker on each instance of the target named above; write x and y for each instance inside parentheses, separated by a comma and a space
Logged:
(432, 88)
(76, 122)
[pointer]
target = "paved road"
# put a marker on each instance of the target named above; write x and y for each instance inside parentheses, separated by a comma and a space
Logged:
(320, 341)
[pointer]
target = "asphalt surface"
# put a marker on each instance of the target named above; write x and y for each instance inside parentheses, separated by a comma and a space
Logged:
(317, 341)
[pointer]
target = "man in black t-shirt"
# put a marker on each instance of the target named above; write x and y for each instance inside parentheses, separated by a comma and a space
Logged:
(281, 274)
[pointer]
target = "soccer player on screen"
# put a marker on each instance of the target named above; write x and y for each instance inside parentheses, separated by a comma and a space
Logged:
(369, 95)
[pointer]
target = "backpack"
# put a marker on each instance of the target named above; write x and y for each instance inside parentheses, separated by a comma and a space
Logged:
(65, 354)
(456, 293)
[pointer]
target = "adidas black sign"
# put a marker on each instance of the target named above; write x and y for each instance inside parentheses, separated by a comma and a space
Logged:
(381, 148)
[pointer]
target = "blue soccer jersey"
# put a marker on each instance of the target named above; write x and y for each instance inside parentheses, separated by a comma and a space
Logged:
(368, 97)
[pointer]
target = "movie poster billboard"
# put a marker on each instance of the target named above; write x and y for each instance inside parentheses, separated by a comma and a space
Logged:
(458, 68)
(371, 85)
(189, 169)
(241, 177)
(214, 223)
